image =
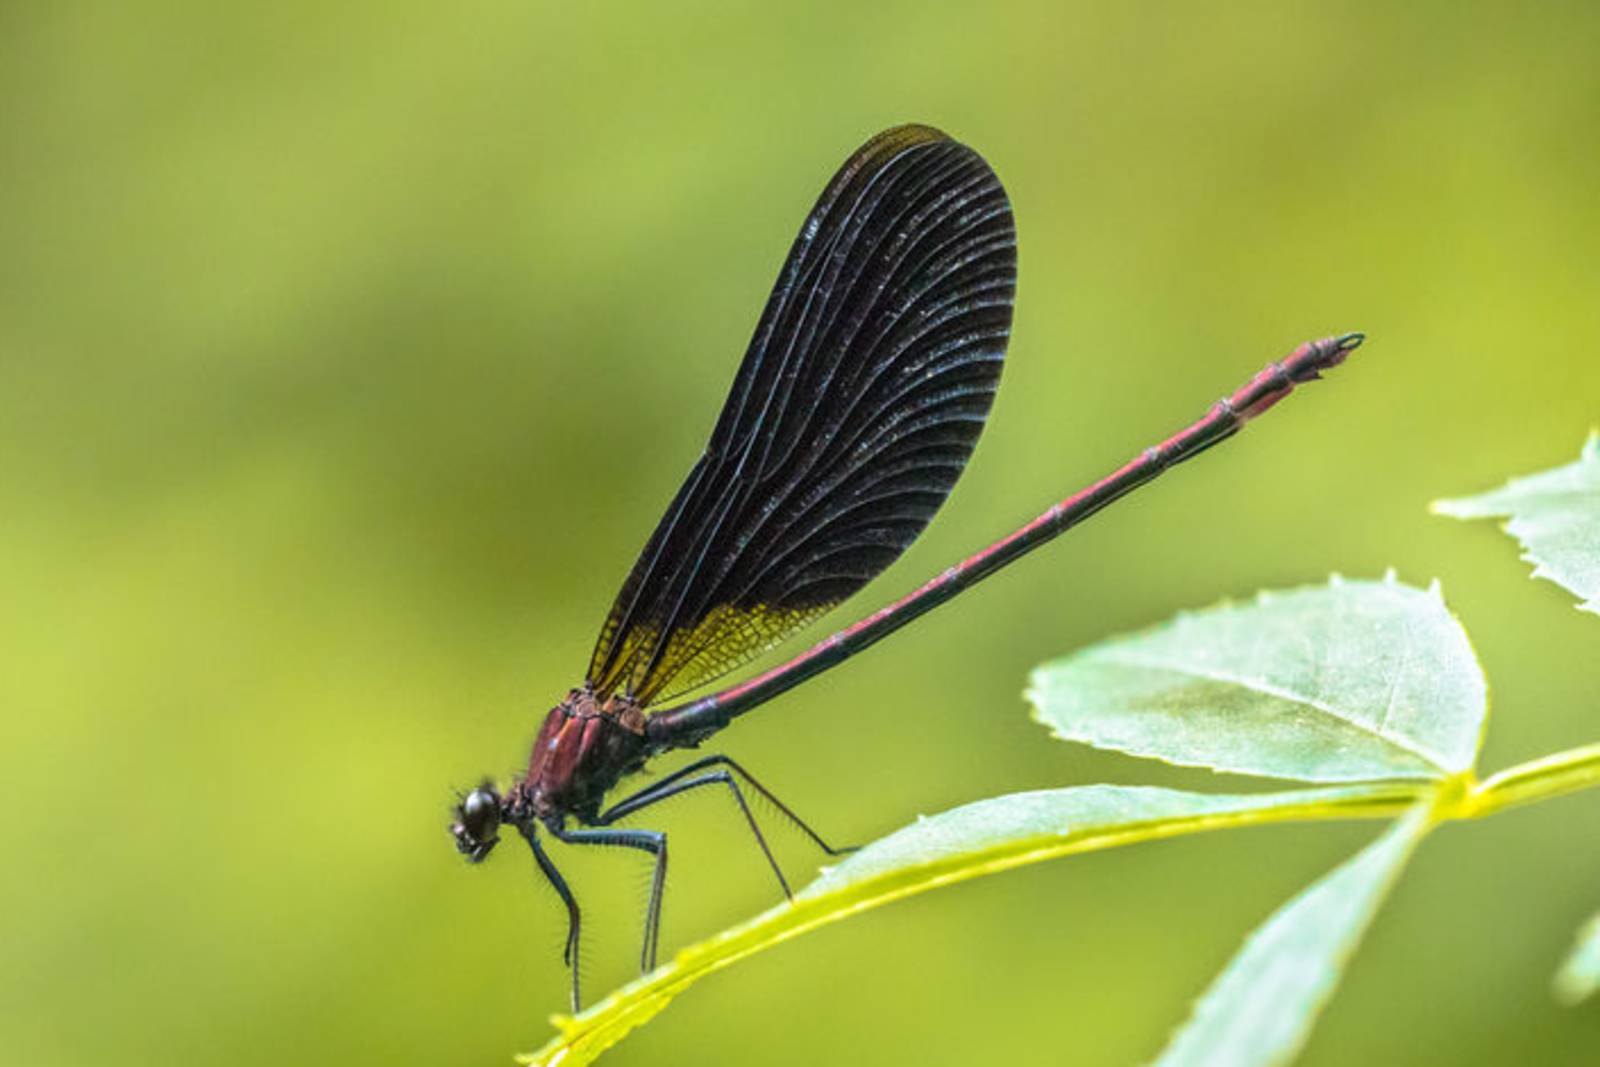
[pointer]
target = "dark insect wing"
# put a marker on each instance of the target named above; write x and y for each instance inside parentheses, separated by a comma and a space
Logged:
(855, 410)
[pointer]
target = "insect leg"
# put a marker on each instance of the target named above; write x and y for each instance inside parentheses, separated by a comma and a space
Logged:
(680, 781)
(677, 783)
(569, 955)
(651, 841)
(638, 800)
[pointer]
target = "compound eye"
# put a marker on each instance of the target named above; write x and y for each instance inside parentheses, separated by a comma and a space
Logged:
(480, 812)
(477, 820)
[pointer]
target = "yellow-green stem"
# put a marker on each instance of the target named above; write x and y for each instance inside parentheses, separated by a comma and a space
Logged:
(1540, 779)
(1460, 797)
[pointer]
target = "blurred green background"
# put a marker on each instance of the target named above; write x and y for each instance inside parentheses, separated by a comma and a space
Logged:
(348, 353)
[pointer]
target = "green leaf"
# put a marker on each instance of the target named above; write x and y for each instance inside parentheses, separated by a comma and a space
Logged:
(1579, 976)
(1555, 515)
(1261, 1008)
(967, 842)
(1351, 681)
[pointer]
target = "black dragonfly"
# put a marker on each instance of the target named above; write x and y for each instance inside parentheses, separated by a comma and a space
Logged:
(857, 406)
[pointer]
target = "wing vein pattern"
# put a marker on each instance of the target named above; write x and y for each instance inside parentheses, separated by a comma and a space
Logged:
(857, 405)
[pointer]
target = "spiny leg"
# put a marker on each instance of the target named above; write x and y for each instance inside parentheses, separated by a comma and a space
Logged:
(676, 784)
(651, 841)
(569, 955)
(749, 779)
(679, 782)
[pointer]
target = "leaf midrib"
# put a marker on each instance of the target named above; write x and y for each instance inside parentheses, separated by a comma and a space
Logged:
(1121, 657)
